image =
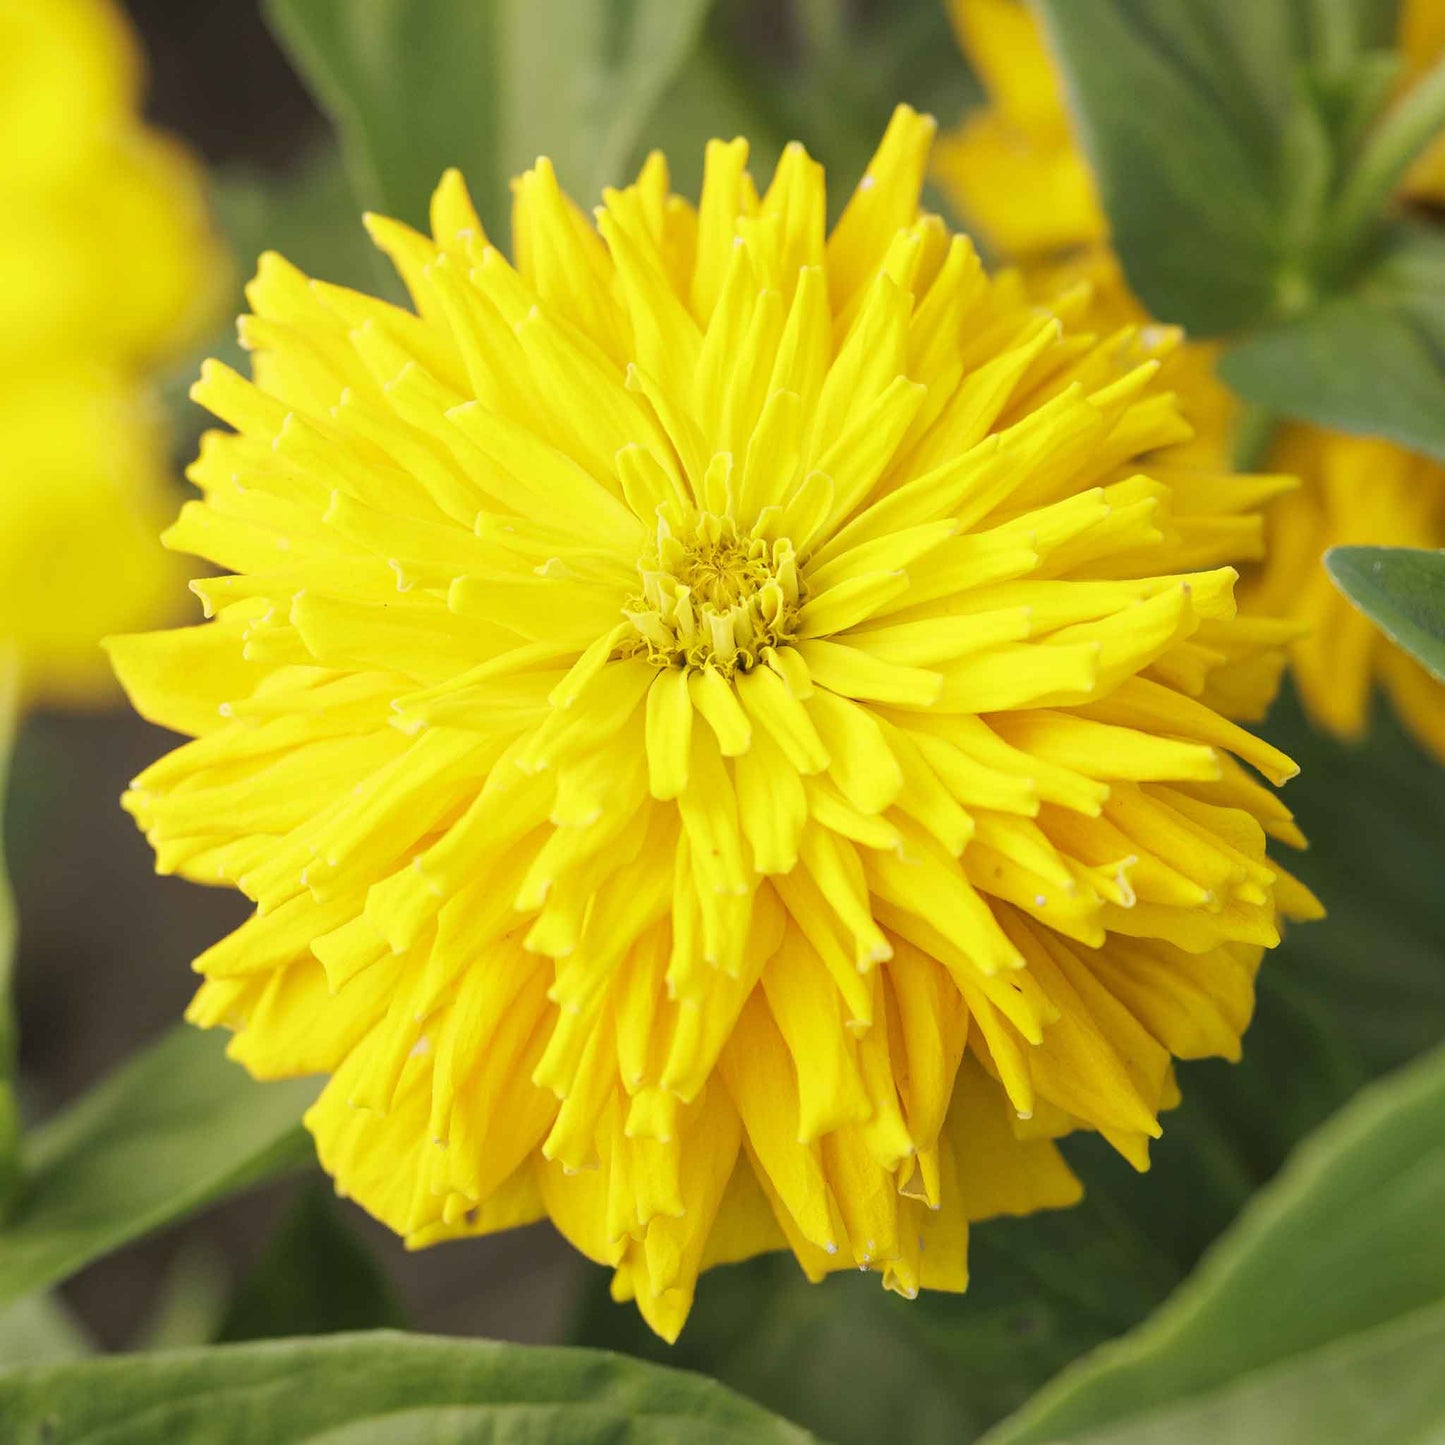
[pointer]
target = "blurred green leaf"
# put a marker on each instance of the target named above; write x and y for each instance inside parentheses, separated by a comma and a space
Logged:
(1221, 136)
(383, 1386)
(191, 1301)
(1320, 1316)
(1371, 361)
(315, 1278)
(174, 1129)
(1181, 108)
(1402, 591)
(831, 84)
(487, 86)
(39, 1330)
(1339, 1003)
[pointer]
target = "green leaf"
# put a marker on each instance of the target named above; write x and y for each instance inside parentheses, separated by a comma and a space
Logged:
(39, 1330)
(487, 86)
(1179, 106)
(174, 1129)
(1320, 1316)
(372, 1388)
(1371, 361)
(315, 1278)
(1402, 591)
(190, 1302)
(1225, 138)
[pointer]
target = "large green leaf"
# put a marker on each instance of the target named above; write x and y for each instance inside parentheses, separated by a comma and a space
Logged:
(1339, 1003)
(1402, 591)
(487, 86)
(1180, 107)
(1239, 145)
(372, 1388)
(315, 1278)
(1371, 360)
(1320, 1316)
(172, 1130)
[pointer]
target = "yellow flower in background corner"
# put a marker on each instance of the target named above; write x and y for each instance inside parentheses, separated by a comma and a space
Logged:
(107, 268)
(1357, 490)
(1422, 44)
(1013, 168)
(710, 720)
(1335, 664)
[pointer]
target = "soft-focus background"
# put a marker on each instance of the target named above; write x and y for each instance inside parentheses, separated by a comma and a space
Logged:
(105, 945)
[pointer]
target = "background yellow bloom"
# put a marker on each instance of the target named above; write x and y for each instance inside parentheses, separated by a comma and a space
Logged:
(107, 268)
(1012, 168)
(1422, 43)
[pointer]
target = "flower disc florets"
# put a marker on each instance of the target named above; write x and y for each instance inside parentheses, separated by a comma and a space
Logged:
(714, 595)
(724, 726)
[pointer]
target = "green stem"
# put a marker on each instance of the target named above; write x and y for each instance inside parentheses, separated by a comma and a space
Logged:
(1391, 149)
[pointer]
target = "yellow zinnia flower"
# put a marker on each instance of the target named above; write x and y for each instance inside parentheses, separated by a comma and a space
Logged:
(1352, 490)
(707, 716)
(107, 267)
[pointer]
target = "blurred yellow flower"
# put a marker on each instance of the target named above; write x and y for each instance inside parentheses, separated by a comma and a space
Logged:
(1334, 656)
(1356, 490)
(1012, 168)
(107, 267)
(711, 720)
(1422, 45)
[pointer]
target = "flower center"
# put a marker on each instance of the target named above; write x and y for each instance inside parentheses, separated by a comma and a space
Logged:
(714, 595)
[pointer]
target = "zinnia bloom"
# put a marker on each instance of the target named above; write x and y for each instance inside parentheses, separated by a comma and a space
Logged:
(107, 267)
(710, 717)
(1352, 490)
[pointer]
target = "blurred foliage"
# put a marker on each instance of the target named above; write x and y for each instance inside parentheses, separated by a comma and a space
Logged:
(191, 1302)
(39, 1330)
(380, 1386)
(813, 71)
(1320, 1316)
(1391, 326)
(174, 1129)
(315, 1277)
(486, 87)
